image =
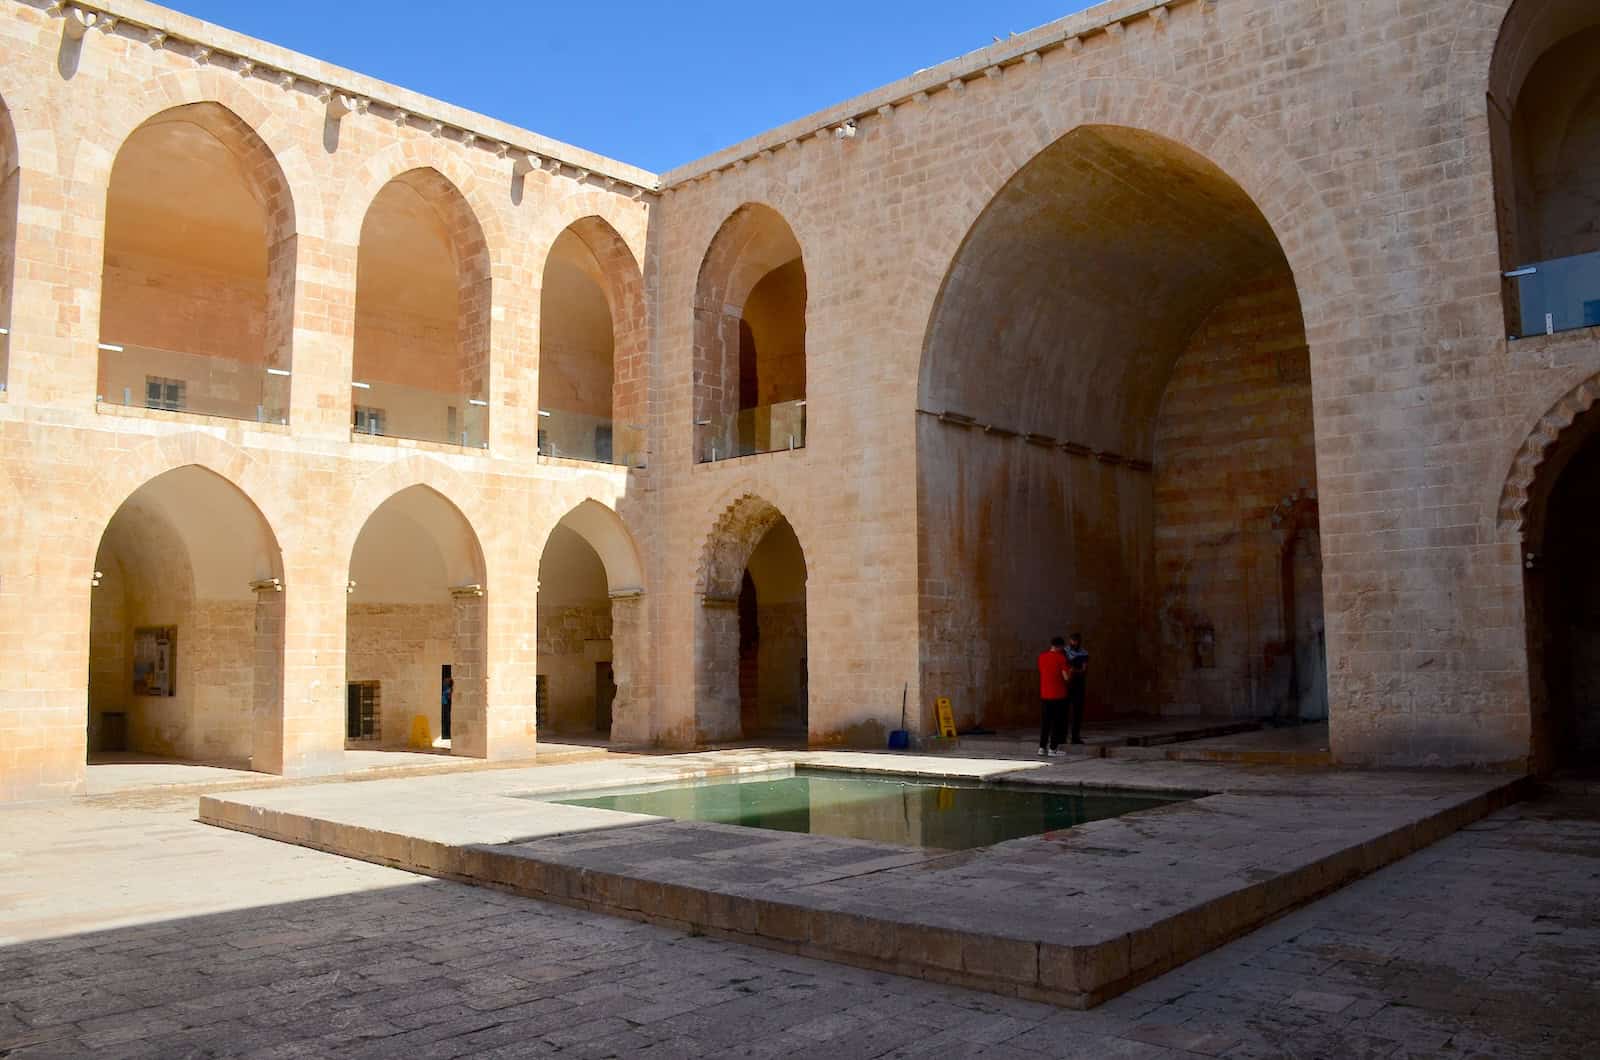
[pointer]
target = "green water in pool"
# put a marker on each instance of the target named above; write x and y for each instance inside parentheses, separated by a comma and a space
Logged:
(896, 809)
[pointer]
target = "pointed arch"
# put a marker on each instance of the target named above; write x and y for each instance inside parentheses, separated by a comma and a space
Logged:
(750, 337)
(605, 532)
(591, 616)
(10, 201)
(186, 625)
(424, 294)
(197, 289)
(1119, 375)
(593, 346)
(751, 649)
(1544, 138)
(416, 632)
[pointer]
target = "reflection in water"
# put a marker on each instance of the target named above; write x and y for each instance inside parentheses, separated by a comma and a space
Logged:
(949, 815)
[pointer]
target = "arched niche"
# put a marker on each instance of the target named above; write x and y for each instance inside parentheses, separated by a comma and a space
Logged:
(422, 332)
(750, 338)
(593, 348)
(197, 290)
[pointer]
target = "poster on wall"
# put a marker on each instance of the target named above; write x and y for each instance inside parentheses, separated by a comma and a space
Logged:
(155, 661)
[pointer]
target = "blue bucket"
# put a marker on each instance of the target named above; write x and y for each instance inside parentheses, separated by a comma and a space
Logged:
(899, 740)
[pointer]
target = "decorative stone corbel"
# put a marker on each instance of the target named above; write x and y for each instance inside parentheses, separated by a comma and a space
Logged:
(523, 163)
(77, 22)
(994, 73)
(339, 105)
(956, 85)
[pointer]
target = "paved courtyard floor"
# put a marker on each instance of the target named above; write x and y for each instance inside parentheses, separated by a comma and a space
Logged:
(129, 930)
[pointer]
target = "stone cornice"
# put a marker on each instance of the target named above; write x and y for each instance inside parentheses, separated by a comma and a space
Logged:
(345, 91)
(1024, 49)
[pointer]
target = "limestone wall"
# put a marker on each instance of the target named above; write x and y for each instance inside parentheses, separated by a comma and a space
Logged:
(1235, 453)
(571, 641)
(402, 647)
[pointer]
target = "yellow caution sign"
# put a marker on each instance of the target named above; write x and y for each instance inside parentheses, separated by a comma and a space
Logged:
(421, 734)
(947, 717)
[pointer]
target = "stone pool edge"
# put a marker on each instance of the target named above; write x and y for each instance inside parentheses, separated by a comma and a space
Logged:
(1072, 976)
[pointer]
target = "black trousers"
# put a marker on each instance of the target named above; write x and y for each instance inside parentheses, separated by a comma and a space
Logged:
(1052, 723)
(1074, 706)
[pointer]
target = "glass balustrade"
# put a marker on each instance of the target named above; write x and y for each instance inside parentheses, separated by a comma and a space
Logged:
(393, 410)
(767, 429)
(1557, 295)
(152, 378)
(577, 436)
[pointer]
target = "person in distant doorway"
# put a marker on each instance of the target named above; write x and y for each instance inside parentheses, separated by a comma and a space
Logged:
(1052, 697)
(1077, 658)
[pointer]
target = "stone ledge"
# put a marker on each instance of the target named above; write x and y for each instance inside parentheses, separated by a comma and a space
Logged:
(868, 911)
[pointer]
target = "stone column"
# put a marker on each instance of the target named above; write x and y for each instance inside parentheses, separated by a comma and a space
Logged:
(267, 698)
(323, 339)
(312, 697)
(717, 670)
(469, 703)
(630, 666)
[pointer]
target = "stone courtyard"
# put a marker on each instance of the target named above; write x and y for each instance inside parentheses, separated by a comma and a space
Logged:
(378, 472)
(130, 930)
(345, 421)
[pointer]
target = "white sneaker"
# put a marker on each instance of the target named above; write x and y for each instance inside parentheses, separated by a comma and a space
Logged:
(1058, 753)
(1043, 753)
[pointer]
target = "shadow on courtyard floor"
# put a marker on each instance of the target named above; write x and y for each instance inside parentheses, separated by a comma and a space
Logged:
(1486, 944)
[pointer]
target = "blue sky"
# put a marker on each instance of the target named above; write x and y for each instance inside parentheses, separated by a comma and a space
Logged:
(654, 84)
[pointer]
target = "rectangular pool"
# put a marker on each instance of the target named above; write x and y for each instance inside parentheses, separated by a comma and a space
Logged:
(884, 808)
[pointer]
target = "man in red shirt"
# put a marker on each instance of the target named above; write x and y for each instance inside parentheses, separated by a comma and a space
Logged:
(1053, 670)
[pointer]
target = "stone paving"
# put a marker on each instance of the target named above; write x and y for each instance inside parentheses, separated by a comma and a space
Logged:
(131, 931)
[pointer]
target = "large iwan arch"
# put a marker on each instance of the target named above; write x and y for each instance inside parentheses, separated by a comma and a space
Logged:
(1116, 385)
